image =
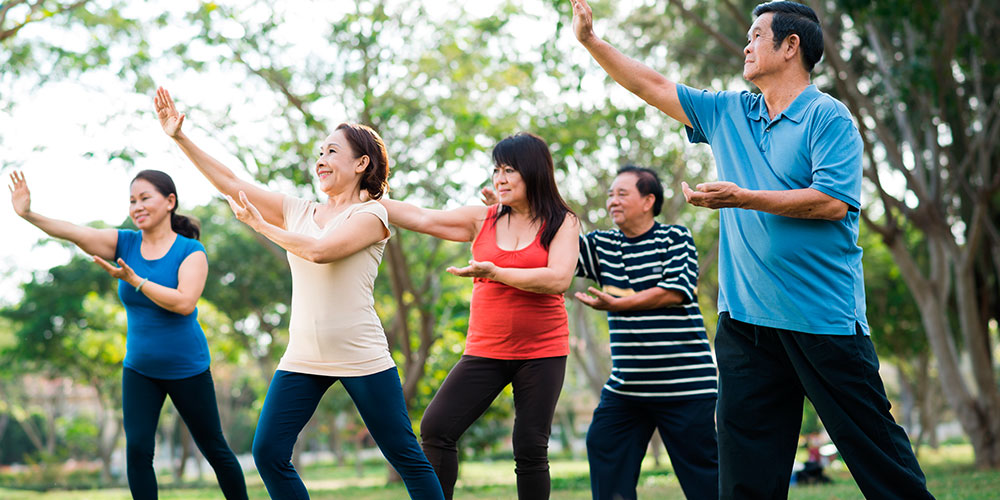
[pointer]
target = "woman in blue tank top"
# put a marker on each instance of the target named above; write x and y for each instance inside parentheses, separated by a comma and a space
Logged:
(161, 270)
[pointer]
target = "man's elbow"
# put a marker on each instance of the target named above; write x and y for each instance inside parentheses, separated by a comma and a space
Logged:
(837, 211)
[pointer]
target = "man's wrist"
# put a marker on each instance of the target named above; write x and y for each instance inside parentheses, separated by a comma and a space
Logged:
(746, 199)
(617, 304)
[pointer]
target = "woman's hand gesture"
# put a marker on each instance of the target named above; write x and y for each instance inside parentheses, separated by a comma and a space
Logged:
(583, 20)
(488, 196)
(246, 211)
(170, 119)
(475, 269)
(123, 273)
(20, 197)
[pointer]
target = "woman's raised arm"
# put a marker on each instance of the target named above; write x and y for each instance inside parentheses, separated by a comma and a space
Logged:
(100, 242)
(458, 224)
(268, 202)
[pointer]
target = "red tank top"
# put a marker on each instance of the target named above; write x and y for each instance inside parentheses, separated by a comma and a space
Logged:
(507, 322)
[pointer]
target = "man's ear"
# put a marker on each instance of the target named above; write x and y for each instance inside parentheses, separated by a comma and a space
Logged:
(792, 46)
(647, 202)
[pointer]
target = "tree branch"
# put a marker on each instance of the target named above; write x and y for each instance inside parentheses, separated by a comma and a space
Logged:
(714, 33)
(8, 33)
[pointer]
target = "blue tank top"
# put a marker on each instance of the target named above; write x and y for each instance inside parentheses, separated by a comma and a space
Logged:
(160, 343)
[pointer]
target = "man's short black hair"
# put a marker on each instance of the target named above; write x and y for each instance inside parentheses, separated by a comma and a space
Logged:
(791, 17)
(647, 182)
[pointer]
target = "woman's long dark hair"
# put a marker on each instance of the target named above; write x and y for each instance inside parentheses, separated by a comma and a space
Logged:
(529, 155)
(181, 224)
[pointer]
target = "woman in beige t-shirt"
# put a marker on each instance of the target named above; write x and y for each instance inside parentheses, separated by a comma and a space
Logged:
(334, 250)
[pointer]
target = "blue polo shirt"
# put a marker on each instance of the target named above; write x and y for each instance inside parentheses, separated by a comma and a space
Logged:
(782, 272)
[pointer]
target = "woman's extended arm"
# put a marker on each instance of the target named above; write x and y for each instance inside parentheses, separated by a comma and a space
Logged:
(191, 277)
(268, 202)
(459, 224)
(360, 231)
(94, 241)
(555, 277)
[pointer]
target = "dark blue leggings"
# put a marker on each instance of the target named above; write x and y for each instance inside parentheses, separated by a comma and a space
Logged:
(291, 400)
(194, 398)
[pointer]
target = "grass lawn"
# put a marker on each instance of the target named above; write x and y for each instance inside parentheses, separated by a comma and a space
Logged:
(950, 477)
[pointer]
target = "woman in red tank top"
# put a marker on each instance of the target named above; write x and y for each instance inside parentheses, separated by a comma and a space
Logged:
(524, 253)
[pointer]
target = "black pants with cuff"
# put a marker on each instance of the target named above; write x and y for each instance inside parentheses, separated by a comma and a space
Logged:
(764, 373)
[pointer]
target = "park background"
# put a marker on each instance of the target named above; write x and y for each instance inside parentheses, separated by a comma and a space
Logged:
(442, 82)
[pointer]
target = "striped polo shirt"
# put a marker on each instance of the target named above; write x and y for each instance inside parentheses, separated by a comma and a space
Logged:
(656, 353)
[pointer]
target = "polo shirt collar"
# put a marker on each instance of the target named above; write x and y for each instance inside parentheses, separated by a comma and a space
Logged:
(794, 112)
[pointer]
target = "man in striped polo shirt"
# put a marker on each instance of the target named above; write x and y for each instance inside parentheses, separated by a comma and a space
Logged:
(663, 374)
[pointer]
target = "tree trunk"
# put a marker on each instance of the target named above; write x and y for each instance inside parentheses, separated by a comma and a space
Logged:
(656, 447)
(109, 429)
(301, 443)
(909, 402)
(977, 339)
(333, 441)
(923, 396)
(4, 420)
(931, 406)
(931, 293)
(185, 439)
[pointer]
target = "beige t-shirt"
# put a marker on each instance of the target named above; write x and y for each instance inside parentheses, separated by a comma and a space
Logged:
(334, 330)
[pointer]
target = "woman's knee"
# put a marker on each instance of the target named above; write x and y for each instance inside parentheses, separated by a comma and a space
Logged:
(531, 450)
(220, 455)
(139, 452)
(434, 433)
(266, 452)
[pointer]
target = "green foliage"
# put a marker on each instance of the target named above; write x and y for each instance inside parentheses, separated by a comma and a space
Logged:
(80, 435)
(116, 41)
(893, 316)
(810, 419)
(52, 309)
(15, 446)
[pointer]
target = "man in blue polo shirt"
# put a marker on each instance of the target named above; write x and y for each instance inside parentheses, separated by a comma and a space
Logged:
(791, 292)
(663, 375)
